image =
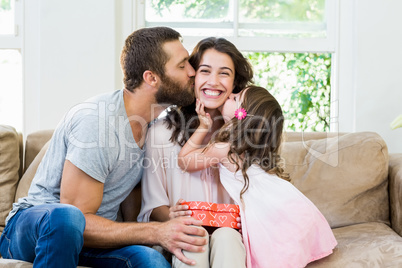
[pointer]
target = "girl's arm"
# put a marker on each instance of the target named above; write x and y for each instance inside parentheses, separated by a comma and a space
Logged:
(192, 156)
(192, 159)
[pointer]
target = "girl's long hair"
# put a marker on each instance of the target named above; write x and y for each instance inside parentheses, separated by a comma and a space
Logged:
(256, 139)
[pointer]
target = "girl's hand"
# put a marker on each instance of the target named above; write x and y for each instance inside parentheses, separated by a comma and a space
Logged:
(205, 118)
(179, 210)
(238, 219)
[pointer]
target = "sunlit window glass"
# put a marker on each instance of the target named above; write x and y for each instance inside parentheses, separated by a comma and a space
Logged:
(291, 18)
(7, 20)
(193, 17)
(11, 88)
(300, 81)
(264, 18)
(301, 84)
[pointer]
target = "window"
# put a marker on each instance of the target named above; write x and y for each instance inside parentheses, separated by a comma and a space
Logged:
(7, 20)
(11, 100)
(301, 84)
(290, 44)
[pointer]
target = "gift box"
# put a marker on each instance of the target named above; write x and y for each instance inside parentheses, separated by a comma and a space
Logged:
(215, 215)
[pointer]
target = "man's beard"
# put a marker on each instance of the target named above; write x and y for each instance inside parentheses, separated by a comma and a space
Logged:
(171, 92)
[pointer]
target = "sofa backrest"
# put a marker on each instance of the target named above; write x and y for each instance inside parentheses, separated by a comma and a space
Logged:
(26, 179)
(12, 165)
(10, 142)
(34, 143)
(345, 176)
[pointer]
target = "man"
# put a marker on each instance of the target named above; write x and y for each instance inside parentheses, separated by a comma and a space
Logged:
(93, 162)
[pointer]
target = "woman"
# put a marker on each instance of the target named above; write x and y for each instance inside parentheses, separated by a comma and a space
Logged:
(220, 70)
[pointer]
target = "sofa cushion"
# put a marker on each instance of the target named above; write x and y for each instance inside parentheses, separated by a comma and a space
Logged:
(9, 169)
(11, 263)
(305, 136)
(25, 182)
(364, 245)
(395, 191)
(34, 143)
(345, 176)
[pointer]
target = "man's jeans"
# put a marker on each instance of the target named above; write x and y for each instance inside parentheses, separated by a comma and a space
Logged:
(51, 235)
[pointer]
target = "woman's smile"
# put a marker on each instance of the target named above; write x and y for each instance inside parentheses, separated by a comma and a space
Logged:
(214, 80)
(212, 92)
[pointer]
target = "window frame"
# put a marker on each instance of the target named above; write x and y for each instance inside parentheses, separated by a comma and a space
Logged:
(14, 41)
(257, 44)
(329, 44)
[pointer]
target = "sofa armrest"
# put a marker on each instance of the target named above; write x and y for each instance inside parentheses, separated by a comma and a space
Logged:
(395, 191)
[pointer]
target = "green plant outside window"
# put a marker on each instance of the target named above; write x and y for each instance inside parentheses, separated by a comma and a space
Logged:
(301, 83)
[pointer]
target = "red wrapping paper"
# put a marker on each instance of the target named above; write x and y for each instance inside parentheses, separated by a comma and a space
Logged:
(215, 215)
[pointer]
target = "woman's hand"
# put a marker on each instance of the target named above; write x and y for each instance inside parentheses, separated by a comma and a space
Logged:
(205, 118)
(179, 210)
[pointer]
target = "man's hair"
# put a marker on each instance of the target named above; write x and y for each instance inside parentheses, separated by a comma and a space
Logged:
(143, 51)
(184, 120)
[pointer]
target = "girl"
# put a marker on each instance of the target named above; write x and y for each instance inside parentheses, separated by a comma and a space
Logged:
(280, 226)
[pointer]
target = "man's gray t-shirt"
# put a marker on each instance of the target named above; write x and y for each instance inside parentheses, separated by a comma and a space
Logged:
(97, 138)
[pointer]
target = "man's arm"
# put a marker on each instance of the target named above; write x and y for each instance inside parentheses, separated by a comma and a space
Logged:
(84, 192)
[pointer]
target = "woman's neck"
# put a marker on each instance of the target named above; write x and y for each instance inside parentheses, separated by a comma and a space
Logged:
(216, 125)
(213, 112)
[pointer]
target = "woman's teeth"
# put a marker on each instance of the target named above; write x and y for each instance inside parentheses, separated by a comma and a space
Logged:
(212, 92)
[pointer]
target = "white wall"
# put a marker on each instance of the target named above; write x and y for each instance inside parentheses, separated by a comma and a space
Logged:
(72, 52)
(370, 91)
(379, 69)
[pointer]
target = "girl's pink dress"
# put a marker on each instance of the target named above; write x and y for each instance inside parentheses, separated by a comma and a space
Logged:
(281, 227)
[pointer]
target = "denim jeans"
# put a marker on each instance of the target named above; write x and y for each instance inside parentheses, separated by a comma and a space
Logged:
(126, 257)
(51, 235)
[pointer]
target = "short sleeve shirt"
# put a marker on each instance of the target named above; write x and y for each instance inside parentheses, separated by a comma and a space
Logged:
(96, 137)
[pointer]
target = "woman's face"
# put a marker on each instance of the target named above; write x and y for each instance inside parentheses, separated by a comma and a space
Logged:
(214, 79)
